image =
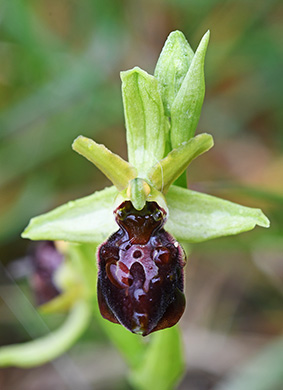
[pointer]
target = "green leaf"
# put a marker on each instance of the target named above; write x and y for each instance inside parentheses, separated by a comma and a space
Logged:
(166, 171)
(172, 67)
(45, 349)
(119, 171)
(88, 219)
(145, 120)
(196, 217)
(186, 108)
(163, 362)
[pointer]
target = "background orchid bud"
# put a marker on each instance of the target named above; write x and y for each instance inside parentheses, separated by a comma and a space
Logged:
(46, 259)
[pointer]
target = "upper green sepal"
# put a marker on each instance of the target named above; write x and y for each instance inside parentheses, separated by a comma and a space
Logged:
(145, 120)
(172, 67)
(167, 170)
(186, 108)
(119, 171)
(196, 217)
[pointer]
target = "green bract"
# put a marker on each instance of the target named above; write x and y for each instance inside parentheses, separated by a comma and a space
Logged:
(172, 67)
(161, 114)
(186, 107)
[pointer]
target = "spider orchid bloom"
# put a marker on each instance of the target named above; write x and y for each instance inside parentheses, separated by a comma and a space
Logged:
(137, 223)
(140, 279)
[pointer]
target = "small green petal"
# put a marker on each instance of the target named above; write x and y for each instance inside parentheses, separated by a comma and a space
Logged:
(45, 349)
(172, 67)
(196, 217)
(88, 219)
(145, 120)
(186, 108)
(166, 171)
(119, 171)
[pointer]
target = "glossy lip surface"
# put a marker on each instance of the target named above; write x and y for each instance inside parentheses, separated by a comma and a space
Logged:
(140, 280)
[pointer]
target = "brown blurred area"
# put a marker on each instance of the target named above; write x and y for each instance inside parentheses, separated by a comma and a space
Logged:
(59, 78)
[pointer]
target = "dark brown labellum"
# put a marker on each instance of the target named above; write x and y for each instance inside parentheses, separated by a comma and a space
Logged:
(140, 280)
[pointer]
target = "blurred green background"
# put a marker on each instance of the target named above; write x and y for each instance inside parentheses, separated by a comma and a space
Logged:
(59, 78)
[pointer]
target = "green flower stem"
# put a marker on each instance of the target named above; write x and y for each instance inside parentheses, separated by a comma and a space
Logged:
(45, 349)
(119, 171)
(163, 362)
(131, 346)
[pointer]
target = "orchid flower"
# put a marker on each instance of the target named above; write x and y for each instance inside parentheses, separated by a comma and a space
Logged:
(140, 220)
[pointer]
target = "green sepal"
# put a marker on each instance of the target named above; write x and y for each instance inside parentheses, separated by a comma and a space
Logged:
(172, 67)
(145, 121)
(119, 171)
(163, 362)
(196, 217)
(88, 219)
(49, 347)
(186, 109)
(166, 171)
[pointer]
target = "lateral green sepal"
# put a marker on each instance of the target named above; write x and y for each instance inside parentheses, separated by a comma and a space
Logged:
(186, 109)
(145, 121)
(172, 67)
(88, 219)
(166, 171)
(119, 171)
(196, 217)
